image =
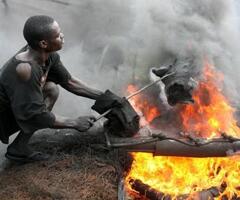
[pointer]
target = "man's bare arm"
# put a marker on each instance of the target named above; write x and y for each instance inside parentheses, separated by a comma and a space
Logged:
(82, 123)
(77, 87)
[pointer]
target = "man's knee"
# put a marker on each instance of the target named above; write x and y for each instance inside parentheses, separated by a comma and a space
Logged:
(51, 90)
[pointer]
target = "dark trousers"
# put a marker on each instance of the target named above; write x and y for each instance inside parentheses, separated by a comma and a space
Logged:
(8, 125)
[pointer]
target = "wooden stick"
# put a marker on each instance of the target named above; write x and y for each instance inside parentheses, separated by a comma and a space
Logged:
(136, 93)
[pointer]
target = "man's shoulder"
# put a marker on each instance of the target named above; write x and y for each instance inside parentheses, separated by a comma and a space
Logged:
(24, 71)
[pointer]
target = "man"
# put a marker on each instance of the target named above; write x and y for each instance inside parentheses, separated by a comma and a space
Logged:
(28, 89)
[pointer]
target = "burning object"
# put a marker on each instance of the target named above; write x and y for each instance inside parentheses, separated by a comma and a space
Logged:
(213, 173)
(179, 86)
(153, 194)
(175, 176)
(123, 120)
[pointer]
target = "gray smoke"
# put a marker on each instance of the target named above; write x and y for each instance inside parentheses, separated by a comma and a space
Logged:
(110, 43)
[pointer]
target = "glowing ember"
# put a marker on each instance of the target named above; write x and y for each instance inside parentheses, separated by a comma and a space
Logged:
(210, 115)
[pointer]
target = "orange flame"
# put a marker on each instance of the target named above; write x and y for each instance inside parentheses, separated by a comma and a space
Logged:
(143, 106)
(178, 175)
(210, 115)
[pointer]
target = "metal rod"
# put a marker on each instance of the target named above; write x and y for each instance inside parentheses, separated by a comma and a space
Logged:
(137, 92)
(149, 85)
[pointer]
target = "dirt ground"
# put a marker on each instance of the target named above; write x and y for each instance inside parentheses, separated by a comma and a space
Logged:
(80, 167)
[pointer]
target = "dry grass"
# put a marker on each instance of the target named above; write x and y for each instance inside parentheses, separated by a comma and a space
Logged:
(75, 171)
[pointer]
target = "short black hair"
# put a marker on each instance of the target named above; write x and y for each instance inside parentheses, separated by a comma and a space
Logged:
(37, 28)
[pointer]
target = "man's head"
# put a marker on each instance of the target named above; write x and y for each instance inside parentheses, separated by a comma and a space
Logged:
(43, 32)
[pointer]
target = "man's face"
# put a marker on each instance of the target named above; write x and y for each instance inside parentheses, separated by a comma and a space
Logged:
(56, 38)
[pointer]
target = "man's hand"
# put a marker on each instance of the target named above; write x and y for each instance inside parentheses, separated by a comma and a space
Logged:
(83, 123)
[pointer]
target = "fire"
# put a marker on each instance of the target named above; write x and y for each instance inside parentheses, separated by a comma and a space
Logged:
(178, 176)
(208, 117)
(211, 113)
(143, 107)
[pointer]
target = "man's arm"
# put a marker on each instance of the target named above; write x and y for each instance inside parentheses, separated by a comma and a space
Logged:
(82, 123)
(75, 86)
(29, 108)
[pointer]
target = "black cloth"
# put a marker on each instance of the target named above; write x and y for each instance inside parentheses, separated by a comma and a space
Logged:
(22, 104)
(106, 101)
(122, 120)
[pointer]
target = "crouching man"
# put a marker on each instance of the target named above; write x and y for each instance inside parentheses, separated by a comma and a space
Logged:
(28, 89)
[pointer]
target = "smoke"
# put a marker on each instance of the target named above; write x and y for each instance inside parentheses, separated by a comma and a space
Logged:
(110, 43)
(185, 28)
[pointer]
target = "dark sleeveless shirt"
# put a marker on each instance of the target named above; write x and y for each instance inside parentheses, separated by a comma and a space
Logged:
(22, 104)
